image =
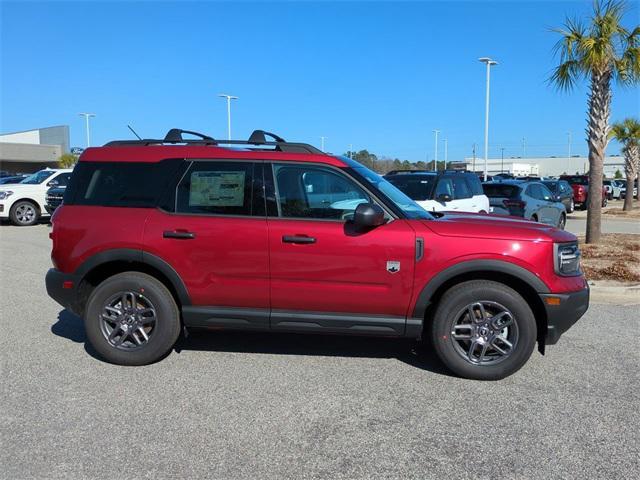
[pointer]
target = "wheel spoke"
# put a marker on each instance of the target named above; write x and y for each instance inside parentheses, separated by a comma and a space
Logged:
(462, 336)
(122, 338)
(113, 310)
(502, 320)
(109, 318)
(504, 342)
(143, 333)
(114, 332)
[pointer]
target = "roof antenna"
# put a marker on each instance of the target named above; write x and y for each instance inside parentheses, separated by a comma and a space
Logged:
(134, 132)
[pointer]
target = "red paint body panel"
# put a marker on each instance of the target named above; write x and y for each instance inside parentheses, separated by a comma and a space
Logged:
(341, 272)
(157, 153)
(226, 264)
(79, 232)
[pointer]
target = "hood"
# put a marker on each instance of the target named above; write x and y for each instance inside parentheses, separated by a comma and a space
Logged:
(17, 187)
(476, 225)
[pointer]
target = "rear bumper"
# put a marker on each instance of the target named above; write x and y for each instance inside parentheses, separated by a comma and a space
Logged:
(63, 288)
(561, 318)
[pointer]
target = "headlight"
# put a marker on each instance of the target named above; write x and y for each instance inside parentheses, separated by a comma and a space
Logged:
(567, 259)
(5, 194)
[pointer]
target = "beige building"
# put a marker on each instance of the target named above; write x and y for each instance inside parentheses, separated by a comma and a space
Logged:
(33, 150)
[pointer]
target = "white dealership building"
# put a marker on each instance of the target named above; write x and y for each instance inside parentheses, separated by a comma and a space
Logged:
(544, 166)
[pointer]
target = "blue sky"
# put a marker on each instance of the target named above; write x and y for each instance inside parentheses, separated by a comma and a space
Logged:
(378, 75)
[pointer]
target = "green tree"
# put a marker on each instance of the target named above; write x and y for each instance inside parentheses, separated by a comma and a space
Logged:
(617, 175)
(627, 133)
(602, 51)
(67, 160)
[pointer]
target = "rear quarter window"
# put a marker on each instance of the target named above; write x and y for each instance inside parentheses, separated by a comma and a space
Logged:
(501, 191)
(121, 184)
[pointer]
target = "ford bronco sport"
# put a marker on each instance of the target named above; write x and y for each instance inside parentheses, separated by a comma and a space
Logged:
(155, 237)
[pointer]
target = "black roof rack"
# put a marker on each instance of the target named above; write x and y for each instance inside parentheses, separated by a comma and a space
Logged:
(395, 172)
(257, 141)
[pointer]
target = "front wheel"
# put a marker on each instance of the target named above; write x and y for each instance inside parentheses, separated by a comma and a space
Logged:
(483, 330)
(24, 213)
(132, 319)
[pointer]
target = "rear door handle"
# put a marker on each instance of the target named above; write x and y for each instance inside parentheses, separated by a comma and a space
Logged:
(181, 235)
(298, 239)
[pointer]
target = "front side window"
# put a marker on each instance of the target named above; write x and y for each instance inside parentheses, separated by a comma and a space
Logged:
(216, 188)
(62, 180)
(461, 189)
(444, 187)
(316, 192)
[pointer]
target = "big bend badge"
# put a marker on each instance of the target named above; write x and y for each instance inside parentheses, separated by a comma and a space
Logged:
(393, 266)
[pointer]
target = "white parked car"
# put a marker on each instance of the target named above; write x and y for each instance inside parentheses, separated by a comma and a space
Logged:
(24, 203)
(453, 191)
(613, 189)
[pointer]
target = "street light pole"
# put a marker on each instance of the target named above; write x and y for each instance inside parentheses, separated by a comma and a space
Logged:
(435, 162)
(322, 143)
(569, 135)
(446, 152)
(489, 62)
(502, 165)
(86, 117)
(229, 98)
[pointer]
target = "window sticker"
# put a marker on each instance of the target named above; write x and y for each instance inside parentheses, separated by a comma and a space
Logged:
(217, 189)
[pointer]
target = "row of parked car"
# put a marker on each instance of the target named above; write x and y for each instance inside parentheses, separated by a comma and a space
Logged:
(27, 198)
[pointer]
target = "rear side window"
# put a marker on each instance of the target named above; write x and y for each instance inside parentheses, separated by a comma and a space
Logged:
(501, 190)
(216, 188)
(474, 184)
(416, 187)
(120, 184)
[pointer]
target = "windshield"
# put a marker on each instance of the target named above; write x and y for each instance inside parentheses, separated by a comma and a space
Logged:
(410, 208)
(37, 177)
(577, 180)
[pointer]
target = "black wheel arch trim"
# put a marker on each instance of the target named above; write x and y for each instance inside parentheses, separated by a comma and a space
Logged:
(474, 266)
(137, 256)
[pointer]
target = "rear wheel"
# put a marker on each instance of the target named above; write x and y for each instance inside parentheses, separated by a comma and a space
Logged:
(24, 213)
(483, 330)
(132, 319)
(604, 201)
(572, 206)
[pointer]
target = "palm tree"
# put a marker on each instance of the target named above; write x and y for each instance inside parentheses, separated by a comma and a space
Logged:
(627, 133)
(601, 52)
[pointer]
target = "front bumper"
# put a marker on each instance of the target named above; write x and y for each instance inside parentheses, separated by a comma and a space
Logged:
(561, 317)
(63, 288)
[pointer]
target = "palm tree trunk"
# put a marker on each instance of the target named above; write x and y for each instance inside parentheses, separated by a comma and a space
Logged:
(631, 154)
(597, 137)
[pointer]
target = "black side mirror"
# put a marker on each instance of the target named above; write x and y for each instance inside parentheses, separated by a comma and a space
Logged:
(368, 215)
(444, 197)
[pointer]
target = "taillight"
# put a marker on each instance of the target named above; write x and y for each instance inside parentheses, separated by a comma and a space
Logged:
(514, 204)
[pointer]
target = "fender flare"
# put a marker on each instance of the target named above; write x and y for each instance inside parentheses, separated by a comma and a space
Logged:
(138, 256)
(472, 266)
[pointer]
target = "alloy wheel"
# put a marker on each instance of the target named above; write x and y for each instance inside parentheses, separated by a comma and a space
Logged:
(484, 333)
(25, 213)
(128, 320)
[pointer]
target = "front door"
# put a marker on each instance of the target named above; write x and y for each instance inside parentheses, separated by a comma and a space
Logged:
(325, 276)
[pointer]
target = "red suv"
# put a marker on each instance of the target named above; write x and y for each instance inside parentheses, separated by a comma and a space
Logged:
(580, 186)
(156, 237)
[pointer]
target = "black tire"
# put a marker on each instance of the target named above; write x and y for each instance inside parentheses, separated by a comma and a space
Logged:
(24, 213)
(534, 218)
(572, 206)
(166, 326)
(563, 221)
(604, 201)
(455, 301)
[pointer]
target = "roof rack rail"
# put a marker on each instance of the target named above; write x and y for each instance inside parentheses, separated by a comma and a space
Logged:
(257, 140)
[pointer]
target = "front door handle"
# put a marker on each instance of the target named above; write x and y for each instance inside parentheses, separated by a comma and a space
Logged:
(179, 234)
(298, 239)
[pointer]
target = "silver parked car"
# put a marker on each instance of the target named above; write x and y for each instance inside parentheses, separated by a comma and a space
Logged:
(529, 200)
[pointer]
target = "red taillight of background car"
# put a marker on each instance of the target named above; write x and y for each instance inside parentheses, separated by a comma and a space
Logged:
(514, 204)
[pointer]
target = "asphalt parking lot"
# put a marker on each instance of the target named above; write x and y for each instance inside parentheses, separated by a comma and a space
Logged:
(284, 406)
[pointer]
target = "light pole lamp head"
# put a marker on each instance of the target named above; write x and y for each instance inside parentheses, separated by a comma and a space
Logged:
(82, 114)
(229, 97)
(488, 61)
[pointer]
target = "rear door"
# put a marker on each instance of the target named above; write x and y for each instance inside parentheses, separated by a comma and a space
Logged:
(325, 276)
(212, 230)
